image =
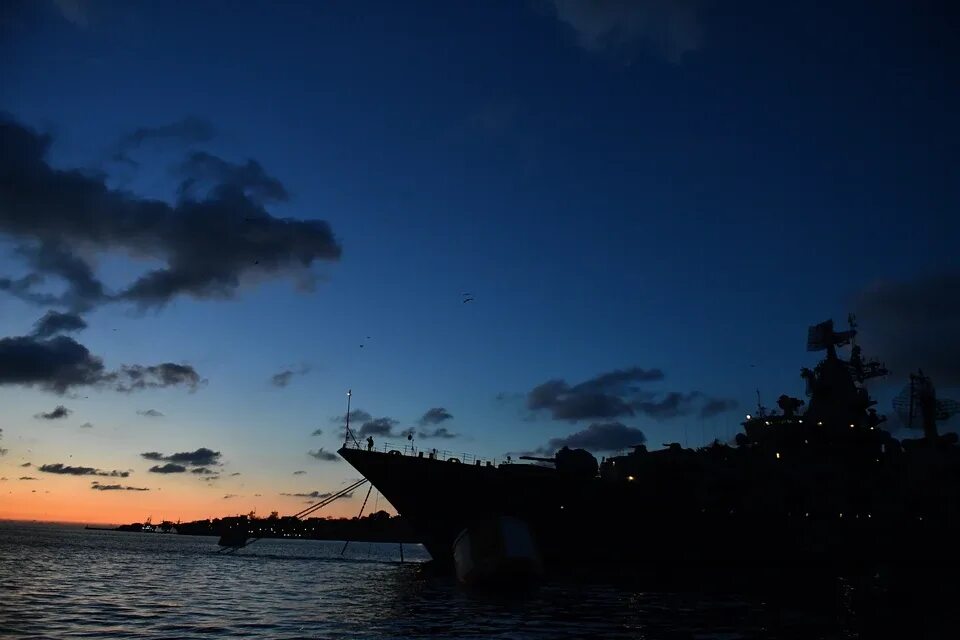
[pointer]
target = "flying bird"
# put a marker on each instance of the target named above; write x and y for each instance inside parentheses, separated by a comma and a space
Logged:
(466, 300)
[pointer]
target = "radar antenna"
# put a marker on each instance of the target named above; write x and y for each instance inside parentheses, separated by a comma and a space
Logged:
(918, 406)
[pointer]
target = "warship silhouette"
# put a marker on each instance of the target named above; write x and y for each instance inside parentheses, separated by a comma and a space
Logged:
(817, 485)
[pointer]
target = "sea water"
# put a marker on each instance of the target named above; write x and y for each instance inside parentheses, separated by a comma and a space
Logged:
(60, 581)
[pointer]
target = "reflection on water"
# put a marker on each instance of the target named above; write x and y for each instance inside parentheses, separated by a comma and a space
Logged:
(68, 582)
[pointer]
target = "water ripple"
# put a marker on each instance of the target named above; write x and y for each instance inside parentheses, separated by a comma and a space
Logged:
(67, 582)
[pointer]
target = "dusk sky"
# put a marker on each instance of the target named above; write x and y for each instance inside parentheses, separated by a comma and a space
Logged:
(507, 226)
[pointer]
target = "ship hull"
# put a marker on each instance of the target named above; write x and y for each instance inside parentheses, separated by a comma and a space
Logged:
(624, 528)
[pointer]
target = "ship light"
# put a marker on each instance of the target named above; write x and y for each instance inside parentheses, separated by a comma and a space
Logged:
(630, 478)
(800, 421)
(561, 506)
(768, 423)
(778, 455)
(869, 516)
(820, 423)
(806, 515)
(749, 416)
(841, 515)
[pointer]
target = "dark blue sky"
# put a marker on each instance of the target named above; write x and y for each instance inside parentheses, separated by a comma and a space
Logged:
(674, 185)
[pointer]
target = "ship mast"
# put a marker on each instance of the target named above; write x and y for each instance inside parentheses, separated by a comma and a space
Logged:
(347, 434)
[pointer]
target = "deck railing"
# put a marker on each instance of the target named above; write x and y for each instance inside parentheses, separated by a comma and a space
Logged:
(431, 453)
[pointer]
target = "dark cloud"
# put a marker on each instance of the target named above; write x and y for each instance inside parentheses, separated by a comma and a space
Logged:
(63, 469)
(58, 412)
(382, 427)
(669, 28)
(672, 405)
(168, 468)
(357, 415)
(3, 452)
(603, 396)
(439, 432)
(54, 322)
(716, 406)
(188, 130)
(913, 325)
(317, 432)
(607, 436)
(27, 478)
(210, 478)
(320, 454)
(203, 170)
(26, 464)
(59, 364)
(299, 473)
(86, 425)
(202, 457)
(283, 378)
(138, 377)
(230, 495)
(149, 413)
(204, 471)
(234, 474)
(216, 234)
(433, 416)
(312, 494)
(617, 394)
(114, 487)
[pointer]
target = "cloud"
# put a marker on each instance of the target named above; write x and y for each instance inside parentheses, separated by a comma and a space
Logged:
(76, 12)
(439, 432)
(168, 468)
(58, 412)
(716, 406)
(150, 413)
(202, 457)
(671, 405)
(234, 474)
(435, 415)
(299, 472)
(382, 427)
(59, 364)
(54, 322)
(26, 464)
(312, 494)
(214, 238)
(606, 436)
(63, 469)
(670, 28)
(114, 487)
(913, 324)
(617, 394)
(603, 396)
(283, 378)
(138, 377)
(27, 478)
(230, 495)
(4, 452)
(357, 415)
(188, 130)
(86, 425)
(317, 432)
(204, 471)
(320, 454)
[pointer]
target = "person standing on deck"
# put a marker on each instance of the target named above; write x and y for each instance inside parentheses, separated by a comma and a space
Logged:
(369, 443)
